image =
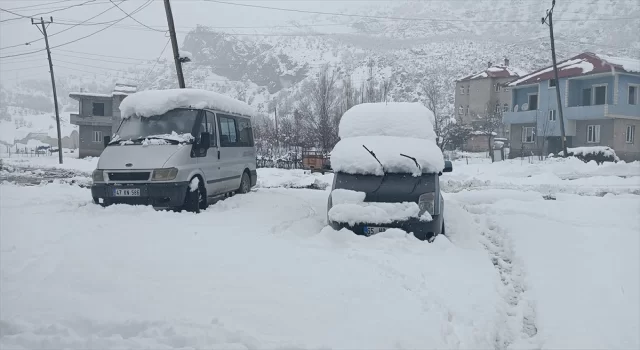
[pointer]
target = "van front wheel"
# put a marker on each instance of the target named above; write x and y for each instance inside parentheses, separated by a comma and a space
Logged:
(245, 183)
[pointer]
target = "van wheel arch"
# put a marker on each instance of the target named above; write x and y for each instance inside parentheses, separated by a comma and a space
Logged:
(246, 176)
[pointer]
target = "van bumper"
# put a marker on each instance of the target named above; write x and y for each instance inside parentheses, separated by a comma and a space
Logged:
(422, 230)
(159, 195)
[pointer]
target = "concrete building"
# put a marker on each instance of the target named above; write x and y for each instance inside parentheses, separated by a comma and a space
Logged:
(99, 116)
(482, 93)
(600, 102)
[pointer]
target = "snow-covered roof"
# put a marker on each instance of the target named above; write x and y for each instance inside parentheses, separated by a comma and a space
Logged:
(496, 71)
(402, 119)
(76, 95)
(631, 65)
(582, 64)
(155, 102)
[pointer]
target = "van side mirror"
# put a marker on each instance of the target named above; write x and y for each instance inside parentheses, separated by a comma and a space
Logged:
(448, 167)
(205, 140)
(106, 140)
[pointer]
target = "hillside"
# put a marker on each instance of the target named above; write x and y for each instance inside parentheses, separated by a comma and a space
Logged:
(441, 39)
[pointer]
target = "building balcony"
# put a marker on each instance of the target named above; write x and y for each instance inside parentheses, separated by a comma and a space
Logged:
(78, 119)
(601, 112)
(520, 117)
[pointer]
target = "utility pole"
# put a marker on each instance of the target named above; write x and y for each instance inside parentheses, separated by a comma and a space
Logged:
(43, 30)
(275, 117)
(549, 18)
(174, 43)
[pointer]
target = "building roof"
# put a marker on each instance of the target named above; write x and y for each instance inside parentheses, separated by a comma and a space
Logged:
(495, 71)
(119, 90)
(583, 64)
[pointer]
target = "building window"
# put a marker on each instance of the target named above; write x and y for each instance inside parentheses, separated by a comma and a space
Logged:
(467, 110)
(600, 95)
(553, 115)
(552, 83)
(533, 102)
(528, 134)
(98, 109)
(497, 108)
(97, 136)
(462, 90)
(593, 133)
(631, 133)
(633, 95)
(506, 89)
(460, 110)
(497, 87)
(505, 108)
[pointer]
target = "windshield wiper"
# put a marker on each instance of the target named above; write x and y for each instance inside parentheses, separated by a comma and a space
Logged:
(374, 156)
(413, 159)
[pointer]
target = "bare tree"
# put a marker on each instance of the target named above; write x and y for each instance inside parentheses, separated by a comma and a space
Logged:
(319, 108)
(490, 122)
(436, 100)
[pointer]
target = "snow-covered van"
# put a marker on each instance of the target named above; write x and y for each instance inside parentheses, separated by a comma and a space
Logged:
(175, 149)
(387, 168)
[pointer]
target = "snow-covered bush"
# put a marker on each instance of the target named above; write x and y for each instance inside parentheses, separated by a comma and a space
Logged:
(599, 154)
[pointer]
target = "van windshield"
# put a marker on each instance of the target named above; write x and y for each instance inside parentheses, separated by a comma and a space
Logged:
(174, 125)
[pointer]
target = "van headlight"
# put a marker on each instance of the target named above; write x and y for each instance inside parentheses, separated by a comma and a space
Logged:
(98, 175)
(166, 174)
(427, 203)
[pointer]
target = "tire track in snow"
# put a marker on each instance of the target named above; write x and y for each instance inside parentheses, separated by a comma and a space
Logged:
(519, 318)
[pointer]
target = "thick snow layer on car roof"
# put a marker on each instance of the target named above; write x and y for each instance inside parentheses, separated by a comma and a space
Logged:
(402, 119)
(350, 157)
(155, 102)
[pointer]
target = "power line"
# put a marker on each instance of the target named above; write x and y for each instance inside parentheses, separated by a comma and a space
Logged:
(42, 13)
(99, 55)
(23, 68)
(147, 3)
(158, 60)
(399, 18)
(62, 31)
(38, 5)
(128, 15)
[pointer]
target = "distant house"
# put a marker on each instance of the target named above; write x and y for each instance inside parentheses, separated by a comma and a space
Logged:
(484, 93)
(599, 96)
(99, 116)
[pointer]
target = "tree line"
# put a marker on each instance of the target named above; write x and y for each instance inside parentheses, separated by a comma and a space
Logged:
(309, 117)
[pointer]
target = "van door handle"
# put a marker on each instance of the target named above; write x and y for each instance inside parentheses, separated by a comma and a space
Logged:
(218, 154)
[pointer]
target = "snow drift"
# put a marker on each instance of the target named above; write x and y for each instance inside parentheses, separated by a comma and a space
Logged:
(155, 102)
(401, 119)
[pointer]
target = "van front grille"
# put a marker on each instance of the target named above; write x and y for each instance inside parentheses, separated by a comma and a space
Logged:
(133, 176)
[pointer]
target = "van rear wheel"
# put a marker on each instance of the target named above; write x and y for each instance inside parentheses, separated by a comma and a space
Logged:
(245, 183)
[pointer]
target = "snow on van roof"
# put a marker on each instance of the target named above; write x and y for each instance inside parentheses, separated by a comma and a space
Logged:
(348, 156)
(155, 102)
(402, 119)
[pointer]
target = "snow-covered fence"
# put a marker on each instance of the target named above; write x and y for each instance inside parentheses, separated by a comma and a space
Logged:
(278, 163)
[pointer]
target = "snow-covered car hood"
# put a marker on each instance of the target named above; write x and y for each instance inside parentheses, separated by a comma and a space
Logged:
(139, 156)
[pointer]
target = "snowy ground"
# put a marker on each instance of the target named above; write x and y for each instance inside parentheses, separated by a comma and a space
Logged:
(263, 271)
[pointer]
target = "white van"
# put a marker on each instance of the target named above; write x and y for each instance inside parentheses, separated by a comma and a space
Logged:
(176, 149)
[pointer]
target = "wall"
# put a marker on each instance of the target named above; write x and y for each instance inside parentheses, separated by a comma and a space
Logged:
(521, 95)
(626, 151)
(606, 133)
(516, 142)
(86, 106)
(623, 86)
(88, 148)
(576, 86)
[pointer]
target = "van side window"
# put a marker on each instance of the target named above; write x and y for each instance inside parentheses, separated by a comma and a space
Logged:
(245, 133)
(228, 136)
(211, 128)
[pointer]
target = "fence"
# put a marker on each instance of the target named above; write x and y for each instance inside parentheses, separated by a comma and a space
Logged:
(280, 164)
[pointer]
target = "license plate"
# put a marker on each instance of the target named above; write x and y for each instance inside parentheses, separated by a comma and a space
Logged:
(369, 230)
(126, 192)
